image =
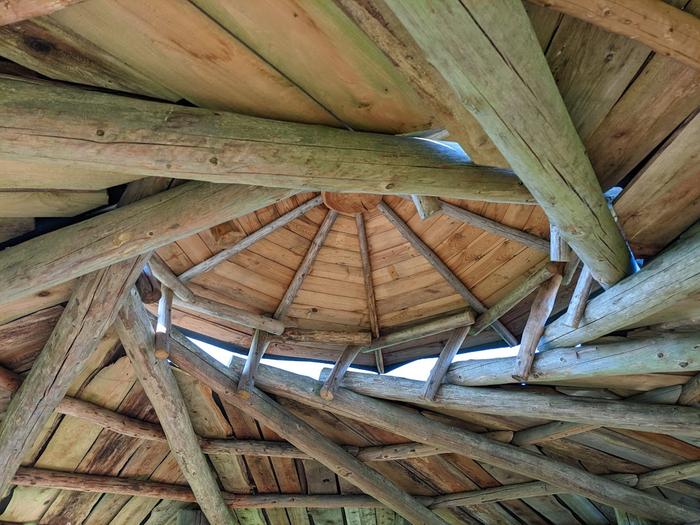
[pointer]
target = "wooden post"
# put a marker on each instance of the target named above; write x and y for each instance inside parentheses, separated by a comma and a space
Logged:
(92, 307)
(672, 353)
(339, 369)
(229, 148)
(443, 270)
(491, 226)
(254, 355)
(65, 254)
(165, 275)
(559, 251)
(577, 306)
(534, 328)
(369, 286)
(247, 379)
(251, 239)
(165, 321)
(137, 337)
(437, 374)
(416, 427)
(488, 53)
(672, 276)
(665, 29)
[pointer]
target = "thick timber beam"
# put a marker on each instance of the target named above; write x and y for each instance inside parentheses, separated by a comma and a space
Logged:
(619, 414)
(444, 270)
(137, 336)
(63, 255)
(488, 53)
(251, 239)
(416, 427)
(672, 276)
(664, 28)
(449, 351)
(13, 11)
(165, 275)
(59, 130)
(263, 342)
(534, 328)
(90, 311)
(662, 354)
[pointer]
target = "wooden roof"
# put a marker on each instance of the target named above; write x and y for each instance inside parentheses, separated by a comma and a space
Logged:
(633, 97)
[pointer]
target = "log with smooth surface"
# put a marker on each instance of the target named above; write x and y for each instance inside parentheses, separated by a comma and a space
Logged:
(489, 55)
(664, 28)
(67, 253)
(662, 354)
(418, 428)
(137, 336)
(447, 274)
(105, 134)
(671, 277)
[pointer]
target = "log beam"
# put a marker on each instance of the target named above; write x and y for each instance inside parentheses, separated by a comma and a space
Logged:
(579, 298)
(369, 286)
(443, 270)
(165, 275)
(488, 53)
(534, 328)
(65, 254)
(426, 206)
(672, 276)
(449, 351)
(61, 129)
(416, 427)
(664, 28)
(137, 336)
(164, 324)
(663, 354)
(13, 11)
(339, 370)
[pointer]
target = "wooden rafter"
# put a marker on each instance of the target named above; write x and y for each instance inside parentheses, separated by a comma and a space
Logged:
(13, 11)
(62, 255)
(443, 270)
(165, 275)
(449, 351)
(233, 148)
(414, 426)
(339, 370)
(164, 324)
(137, 336)
(670, 277)
(577, 305)
(488, 53)
(618, 414)
(256, 352)
(631, 356)
(664, 28)
(251, 239)
(369, 283)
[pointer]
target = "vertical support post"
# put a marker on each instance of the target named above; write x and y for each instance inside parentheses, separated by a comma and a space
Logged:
(437, 374)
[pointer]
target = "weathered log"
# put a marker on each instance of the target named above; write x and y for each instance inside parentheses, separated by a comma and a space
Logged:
(141, 227)
(103, 134)
(164, 324)
(579, 298)
(369, 286)
(426, 205)
(418, 428)
(303, 335)
(690, 395)
(230, 313)
(664, 28)
(672, 276)
(625, 518)
(15, 11)
(534, 328)
(559, 250)
(255, 353)
(90, 311)
(443, 270)
(423, 329)
(251, 239)
(491, 226)
(148, 287)
(137, 336)
(490, 56)
(517, 294)
(339, 370)
(662, 354)
(449, 351)
(165, 275)
(549, 432)
(619, 414)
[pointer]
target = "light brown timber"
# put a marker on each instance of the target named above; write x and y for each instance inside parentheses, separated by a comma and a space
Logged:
(67, 253)
(443, 270)
(534, 328)
(307, 335)
(559, 251)
(665, 29)
(164, 274)
(670, 277)
(449, 351)
(508, 86)
(137, 336)
(339, 369)
(577, 305)
(369, 287)
(13, 11)
(426, 205)
(416, 427)
(199, 144)
(164, 324)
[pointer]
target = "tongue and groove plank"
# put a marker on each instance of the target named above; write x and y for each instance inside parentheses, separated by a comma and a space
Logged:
(508, 86)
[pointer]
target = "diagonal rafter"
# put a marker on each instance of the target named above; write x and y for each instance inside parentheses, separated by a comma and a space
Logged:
(443, 270)
(247, 378)
(137, 336)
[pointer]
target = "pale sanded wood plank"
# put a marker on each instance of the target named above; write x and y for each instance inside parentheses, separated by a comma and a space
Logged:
(13, 11)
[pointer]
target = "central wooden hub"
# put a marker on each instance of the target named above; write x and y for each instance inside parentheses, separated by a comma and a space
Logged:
(351, 203)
